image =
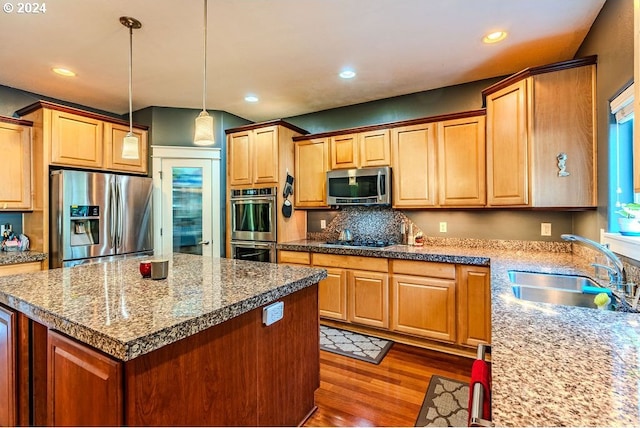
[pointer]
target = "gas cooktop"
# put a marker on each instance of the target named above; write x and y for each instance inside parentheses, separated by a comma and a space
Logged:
(360, 243)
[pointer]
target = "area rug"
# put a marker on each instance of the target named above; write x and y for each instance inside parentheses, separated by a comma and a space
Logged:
(355, 345)
(445, 404)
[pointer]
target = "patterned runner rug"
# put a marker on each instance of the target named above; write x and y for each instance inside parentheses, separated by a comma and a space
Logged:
(445, 404)
(354, 345)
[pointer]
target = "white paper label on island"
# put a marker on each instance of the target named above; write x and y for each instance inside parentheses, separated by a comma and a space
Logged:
(272, 313)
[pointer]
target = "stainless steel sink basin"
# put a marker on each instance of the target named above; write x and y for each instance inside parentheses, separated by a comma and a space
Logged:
(572, 290)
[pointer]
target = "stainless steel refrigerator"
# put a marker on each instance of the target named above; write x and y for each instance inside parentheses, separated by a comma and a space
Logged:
(98, 216)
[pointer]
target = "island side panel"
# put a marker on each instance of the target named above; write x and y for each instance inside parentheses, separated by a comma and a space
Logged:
(204, 379)
(289, 362)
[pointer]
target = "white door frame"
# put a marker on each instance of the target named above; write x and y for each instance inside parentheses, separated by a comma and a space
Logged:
(172, 155)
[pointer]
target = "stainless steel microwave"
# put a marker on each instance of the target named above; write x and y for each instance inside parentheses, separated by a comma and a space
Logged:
(362, 186)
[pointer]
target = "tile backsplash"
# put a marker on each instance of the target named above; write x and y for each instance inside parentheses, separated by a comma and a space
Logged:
(376, 223)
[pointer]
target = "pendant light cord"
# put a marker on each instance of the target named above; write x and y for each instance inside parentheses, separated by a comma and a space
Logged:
(130, 77)
(204, 65)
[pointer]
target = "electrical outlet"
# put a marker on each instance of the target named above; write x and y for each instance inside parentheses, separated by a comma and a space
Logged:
(323, 224)
(545, 229)
(272, 313)
(443, 226)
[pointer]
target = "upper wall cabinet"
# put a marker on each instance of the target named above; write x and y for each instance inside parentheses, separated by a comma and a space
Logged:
(260, 154)
(75, 138)
(461, 162)
(15, 140)
(413, 168)
(361, 150)
(541, 139)
(253, 156)
(311, 165)
(114, 137)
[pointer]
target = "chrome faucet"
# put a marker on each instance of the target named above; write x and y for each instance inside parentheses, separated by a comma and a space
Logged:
(617, 274)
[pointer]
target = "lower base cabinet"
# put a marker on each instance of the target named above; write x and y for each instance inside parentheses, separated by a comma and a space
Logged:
(474, 305)
(84, 386)
(332, 294)
(360, 296)
(444, 302)
(238, 373)
(8, 366)
(424, 296)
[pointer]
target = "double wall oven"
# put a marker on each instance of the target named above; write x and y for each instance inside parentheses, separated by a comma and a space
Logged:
(253, 224)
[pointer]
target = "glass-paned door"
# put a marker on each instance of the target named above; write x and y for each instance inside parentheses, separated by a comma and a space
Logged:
(186, 211)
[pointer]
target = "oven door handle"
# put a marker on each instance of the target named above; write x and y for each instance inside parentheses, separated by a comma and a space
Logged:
(253, 199)
(253, 245)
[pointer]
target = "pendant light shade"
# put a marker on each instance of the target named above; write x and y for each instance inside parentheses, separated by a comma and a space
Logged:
(204, 130)
(130, 142)
(204, 123)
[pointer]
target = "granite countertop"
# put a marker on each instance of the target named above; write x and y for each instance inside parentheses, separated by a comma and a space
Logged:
(111, 307)
(14, 257)
(552, 365)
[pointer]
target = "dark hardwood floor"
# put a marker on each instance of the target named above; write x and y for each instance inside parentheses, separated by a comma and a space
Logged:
(356, 393)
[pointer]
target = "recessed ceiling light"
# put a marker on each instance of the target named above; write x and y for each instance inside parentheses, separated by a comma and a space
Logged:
(251, 99)
(63, 71)
(494, 37)
(347, 74)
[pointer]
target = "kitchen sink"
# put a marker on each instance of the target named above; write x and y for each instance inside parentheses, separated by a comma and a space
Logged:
(572, 290)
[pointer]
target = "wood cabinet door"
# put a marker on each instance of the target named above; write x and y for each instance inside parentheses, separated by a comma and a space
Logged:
(8, 387)
(239, 159)
(113, 138)
(414, 166)
(474, 305)
(424, 307)
(375, 148)
(332, 294)
(344, 151)
(311, 165)
(461, 162)
(264, 153)
(84, 387)
(15, 192)
(368, 298)
(563, 120)
(76, 140)
(507, 146)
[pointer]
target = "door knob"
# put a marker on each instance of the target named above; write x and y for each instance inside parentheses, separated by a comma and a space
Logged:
(203, 243)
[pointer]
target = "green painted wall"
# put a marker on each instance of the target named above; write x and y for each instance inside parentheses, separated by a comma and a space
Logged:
(611, 38)
(451, 99)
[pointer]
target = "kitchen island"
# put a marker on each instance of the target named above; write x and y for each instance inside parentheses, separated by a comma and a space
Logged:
(552, 365)
(99, 345)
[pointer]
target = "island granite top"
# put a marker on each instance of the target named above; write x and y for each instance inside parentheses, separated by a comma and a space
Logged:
(552, 365)
(111, 307)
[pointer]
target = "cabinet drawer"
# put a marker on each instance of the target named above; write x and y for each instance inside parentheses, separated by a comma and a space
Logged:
(296, 257)
(430, 269)
(351, 262)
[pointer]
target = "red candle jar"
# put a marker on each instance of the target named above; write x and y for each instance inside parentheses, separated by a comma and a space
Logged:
(145, 269)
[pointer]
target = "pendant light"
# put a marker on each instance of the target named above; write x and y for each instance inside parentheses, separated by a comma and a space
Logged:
(204, 123)
(130, 141)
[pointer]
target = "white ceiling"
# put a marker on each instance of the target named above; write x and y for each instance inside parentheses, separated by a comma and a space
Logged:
(287, 52)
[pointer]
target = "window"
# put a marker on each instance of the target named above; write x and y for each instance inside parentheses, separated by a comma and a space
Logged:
(621, 171)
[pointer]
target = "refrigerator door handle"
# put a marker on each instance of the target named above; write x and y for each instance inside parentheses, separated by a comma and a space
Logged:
(111, 212)
(119, 214)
